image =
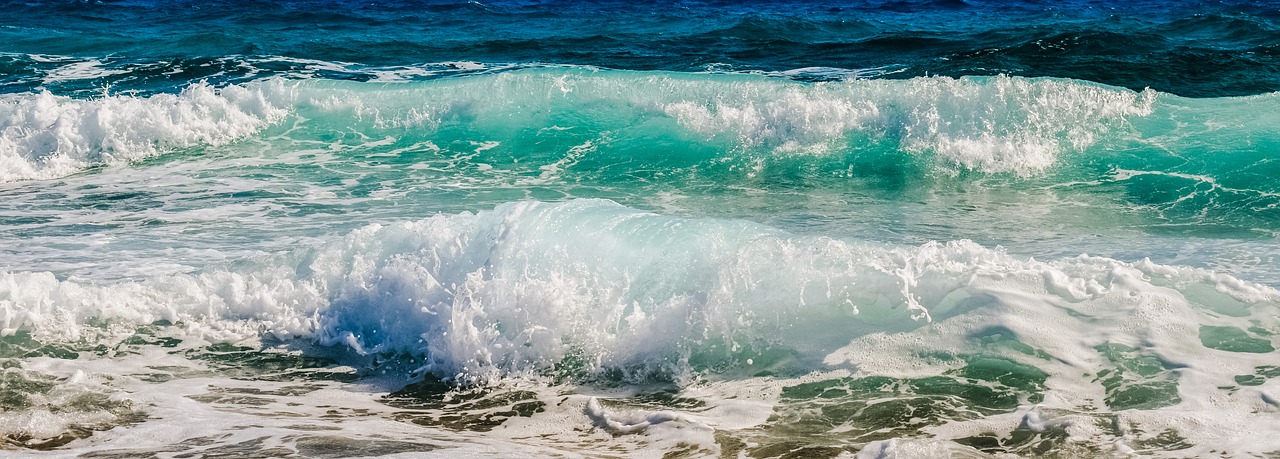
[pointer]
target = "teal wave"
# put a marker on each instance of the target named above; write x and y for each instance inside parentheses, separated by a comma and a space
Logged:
(936, 157)
(1177, 162)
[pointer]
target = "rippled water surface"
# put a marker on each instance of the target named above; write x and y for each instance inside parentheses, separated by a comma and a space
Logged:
(672, 229)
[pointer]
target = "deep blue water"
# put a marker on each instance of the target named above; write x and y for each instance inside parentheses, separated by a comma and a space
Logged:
(1190, 48)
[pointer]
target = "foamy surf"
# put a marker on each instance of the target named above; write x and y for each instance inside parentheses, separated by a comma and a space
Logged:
(527, 229)
(46, 136)
(1000, 352)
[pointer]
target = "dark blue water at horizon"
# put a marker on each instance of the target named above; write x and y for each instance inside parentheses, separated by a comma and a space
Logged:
(1189, 48)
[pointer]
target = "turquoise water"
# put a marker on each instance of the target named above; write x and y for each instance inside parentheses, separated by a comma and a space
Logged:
(328, 229)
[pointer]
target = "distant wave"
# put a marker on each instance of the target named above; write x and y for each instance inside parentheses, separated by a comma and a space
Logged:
(1199, 159)
(991, 125)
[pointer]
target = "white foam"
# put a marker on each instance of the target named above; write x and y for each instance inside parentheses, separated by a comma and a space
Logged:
(515, 292)
(633, 422)
(82, 70)
(913, 449)
(45, 412)
(194, 410)
(998, 124)
(831, 73)
(45, 136)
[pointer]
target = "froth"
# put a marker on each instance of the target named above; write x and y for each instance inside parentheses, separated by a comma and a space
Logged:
(46, 136)
(534, 288)
(998, 124)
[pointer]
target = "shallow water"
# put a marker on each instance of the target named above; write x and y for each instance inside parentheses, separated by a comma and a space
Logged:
(328, 229)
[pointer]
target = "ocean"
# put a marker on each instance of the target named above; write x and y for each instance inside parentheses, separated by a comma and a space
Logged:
(677, 229)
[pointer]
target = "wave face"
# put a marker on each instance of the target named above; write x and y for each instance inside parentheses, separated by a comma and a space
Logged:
(987, 125)
(888, 229)
(1158, 162)
(521, 288)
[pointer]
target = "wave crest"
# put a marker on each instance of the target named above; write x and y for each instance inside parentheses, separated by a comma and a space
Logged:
(46, 136)
(581, 287)
(998, 124)
(994, 125)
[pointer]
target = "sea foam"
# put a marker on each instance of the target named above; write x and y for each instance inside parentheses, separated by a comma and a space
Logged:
(591, 291)
(46, 136)
(998, 124)
(523, 289)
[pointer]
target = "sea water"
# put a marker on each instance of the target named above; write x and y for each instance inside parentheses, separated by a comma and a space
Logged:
(666, 229)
